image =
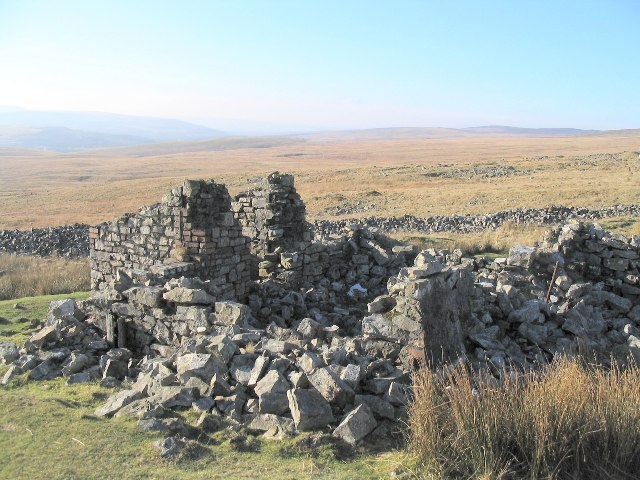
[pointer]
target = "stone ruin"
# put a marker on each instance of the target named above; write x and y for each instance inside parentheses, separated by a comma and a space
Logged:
(234, 308)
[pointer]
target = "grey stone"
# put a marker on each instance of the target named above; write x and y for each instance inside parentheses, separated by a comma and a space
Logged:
(225, 347)
(536, 334)
(231, 313)
(45, 336)
(258, 370)
(309, 409)
(11, 372)
(170, 426)
(331, 387)
(578, 290)
(358, 423)
(582, 321)
(116, 401)
(115, 368)
(351, 375)
(309, 361)
(190, 296)
(81, 377)
(8, 352)
(272, 393)
(210, 422)
(176, 396)
(45, 371)
(521, 256)
(426, 270)
(267, 421)
(277, 346)
(487, 338)
(77, 363)
(398, 394)
(142, 409)
(170, 446)
(379, 406)
(147, 296)
(381, 304)
(308, 328)
(204, 404)
(530, 313)
(201, 365)
(377, 326)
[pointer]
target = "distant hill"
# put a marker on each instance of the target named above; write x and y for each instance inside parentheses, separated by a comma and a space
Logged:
(69, 131)
(211, 145)
(399, 133)
(546, 132)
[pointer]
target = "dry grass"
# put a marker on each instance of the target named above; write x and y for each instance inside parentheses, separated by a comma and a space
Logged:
(25, 276)
(568, 421)
(490, 241)
(416, 176)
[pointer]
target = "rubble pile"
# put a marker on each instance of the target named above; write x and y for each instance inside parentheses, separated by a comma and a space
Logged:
(326, 333)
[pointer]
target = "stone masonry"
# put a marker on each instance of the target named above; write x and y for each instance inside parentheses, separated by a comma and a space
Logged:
(191, 232)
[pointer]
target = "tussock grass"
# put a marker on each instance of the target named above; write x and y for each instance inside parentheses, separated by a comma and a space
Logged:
(27, 276)
(570, 420)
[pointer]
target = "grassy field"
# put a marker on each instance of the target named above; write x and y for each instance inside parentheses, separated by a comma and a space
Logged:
(421, 176)
(48, 430)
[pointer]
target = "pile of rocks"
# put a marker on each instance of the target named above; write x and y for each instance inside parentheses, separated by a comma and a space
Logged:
(578, 292)
(212, 357)
(69, 241)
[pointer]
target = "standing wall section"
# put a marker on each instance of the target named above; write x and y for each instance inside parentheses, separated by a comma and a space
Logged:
(192, 232)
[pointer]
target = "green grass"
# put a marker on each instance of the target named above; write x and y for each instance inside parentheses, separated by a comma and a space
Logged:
(48, 430)
(15, 323)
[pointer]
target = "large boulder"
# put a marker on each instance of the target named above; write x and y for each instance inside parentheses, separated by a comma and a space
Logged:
(309, 409)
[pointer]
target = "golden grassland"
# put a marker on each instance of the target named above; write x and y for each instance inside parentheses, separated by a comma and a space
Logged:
(27, 276)
(391, 177)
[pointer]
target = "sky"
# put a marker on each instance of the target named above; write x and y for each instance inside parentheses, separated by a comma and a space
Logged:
(328, 65)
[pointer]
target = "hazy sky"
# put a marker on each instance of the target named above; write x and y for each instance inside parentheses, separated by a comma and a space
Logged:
(328, 64)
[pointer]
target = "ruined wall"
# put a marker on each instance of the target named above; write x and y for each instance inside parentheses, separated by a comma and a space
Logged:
(191, 232)
(505, 319)
(594, 255)
(272, 216)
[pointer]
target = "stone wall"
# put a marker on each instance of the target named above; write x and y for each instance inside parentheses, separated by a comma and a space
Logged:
(272, 216)
(70, 241)
(192, 231)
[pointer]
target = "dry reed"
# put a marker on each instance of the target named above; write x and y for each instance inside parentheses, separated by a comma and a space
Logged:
(570, 420)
